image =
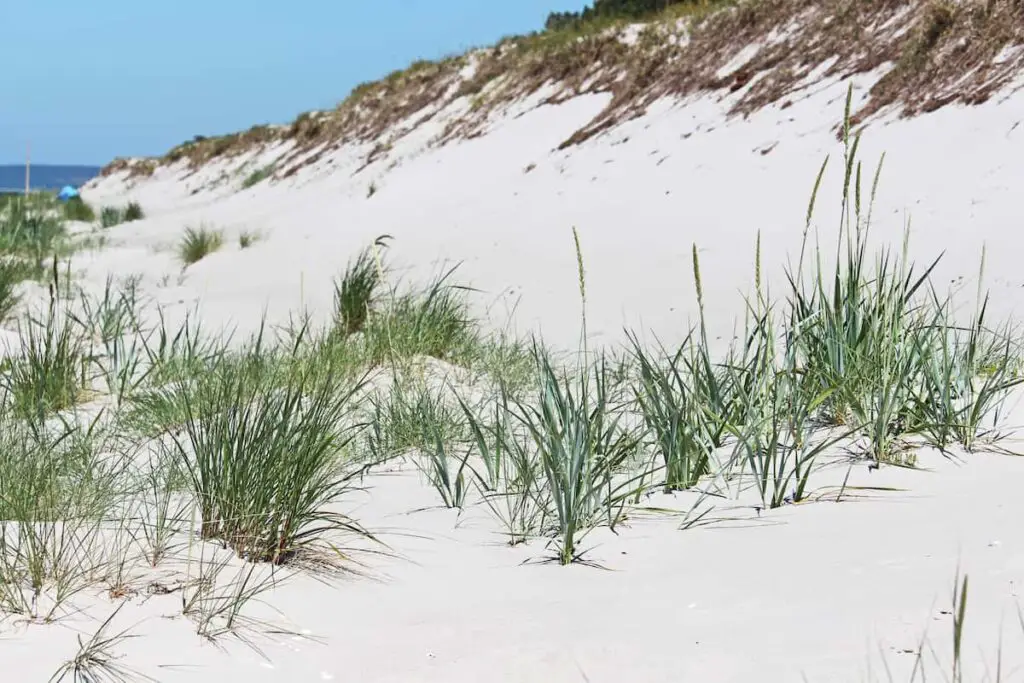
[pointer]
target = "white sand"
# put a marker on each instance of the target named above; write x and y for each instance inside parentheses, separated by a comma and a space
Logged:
(822, 590)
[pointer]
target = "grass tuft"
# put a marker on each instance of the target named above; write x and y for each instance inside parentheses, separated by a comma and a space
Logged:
(435, 322)
(77, 209)
(355, 293)
(198, 243)
(247, 238)
(133, 212)
(263, 444)
(258, 176)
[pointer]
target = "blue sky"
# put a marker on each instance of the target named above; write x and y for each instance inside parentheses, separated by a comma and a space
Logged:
(87, 81)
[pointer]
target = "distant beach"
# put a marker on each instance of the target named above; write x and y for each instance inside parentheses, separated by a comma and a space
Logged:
(45, 177)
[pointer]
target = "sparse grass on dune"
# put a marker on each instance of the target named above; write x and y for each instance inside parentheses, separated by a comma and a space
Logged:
(241, 456)
(55, 493)
(198, 243)
(258, 176)
(31, 232)
(116, 215)
(11, 274)
(640, 53)
(96, 659)
(50, 373)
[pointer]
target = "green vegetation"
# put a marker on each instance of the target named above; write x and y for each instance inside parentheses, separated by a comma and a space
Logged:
(113, 215)
(133, 212)
(253, 449)
(258, 176)
(198, 243)
(612, 9)
(354, 294)
(435, 322)
(261, 449)
(247, 238)
(77, 209)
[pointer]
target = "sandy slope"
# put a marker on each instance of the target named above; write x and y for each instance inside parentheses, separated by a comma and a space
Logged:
(684, 175)
(821, 590)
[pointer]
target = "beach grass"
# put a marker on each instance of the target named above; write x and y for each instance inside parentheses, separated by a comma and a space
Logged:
(77, 209)
(256, 448)
(355, 292)
(263, 445)
(198, 243)
(258, 176)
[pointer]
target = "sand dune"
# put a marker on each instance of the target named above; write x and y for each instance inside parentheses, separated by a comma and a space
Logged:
(821, 591)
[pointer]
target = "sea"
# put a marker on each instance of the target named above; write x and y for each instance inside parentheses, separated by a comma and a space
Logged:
(45, 177)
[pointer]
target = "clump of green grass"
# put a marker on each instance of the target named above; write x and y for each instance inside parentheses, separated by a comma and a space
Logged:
(50, 373)
(426, 425)
(568, 453)
(435, 322)
(111, 216)
(584, 454)
(77, 209)
(247, 238)
(114, 215)
(410, 416)
(31, 231)
(56, 490)
(258, 176)
(11, 274)
(355, 292)
(198, 243)
(674, 417)
(133, 212)
(262, 443)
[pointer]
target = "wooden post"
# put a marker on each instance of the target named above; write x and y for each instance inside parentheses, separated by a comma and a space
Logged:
(28, 169)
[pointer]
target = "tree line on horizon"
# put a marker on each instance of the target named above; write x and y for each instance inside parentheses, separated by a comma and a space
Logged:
(609, 9)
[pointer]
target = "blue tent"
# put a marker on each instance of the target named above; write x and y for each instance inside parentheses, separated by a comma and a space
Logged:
(67, 193)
